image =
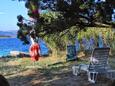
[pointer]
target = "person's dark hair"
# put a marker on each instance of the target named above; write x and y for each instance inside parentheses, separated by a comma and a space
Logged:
(32, 34)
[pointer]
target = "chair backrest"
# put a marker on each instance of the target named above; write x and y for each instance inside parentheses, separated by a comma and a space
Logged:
(101, 55)
(71, 50)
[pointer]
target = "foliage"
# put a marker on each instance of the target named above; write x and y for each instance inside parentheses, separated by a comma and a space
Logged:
(64, 17)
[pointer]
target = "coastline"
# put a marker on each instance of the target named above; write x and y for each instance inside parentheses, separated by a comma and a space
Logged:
(7, 37)
(16, 54)
(9, 44)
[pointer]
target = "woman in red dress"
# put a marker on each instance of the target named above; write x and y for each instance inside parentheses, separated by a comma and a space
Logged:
(34, 52)
(34, 49)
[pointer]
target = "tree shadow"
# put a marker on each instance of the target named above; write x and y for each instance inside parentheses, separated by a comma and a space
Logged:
(52, 76)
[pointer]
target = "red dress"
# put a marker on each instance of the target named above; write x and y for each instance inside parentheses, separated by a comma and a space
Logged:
(34, 52)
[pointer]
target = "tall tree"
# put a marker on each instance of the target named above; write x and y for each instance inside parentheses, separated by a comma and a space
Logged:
(61, 15)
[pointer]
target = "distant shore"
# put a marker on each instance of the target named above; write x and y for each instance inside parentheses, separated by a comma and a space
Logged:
(6, 37)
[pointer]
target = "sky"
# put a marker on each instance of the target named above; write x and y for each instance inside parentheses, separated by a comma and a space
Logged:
(8, 14)
(9, 10)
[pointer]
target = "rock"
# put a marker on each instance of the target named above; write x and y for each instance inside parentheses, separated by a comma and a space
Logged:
(19, 54)
(23, 54)
(3, 81)
(14, 53)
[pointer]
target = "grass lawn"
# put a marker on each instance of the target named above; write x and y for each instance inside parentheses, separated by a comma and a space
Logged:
(48, 71)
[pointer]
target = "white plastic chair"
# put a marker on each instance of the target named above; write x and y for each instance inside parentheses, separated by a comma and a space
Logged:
(98, 64)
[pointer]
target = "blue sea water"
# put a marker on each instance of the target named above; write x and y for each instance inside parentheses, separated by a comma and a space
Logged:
(11, 44)
(14, 44)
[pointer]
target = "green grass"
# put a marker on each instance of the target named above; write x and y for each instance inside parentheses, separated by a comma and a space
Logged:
(11, 66)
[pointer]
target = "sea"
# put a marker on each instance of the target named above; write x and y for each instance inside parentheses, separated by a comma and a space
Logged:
(11, 44)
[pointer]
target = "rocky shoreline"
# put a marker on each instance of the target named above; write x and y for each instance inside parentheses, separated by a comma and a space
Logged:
(16, 54)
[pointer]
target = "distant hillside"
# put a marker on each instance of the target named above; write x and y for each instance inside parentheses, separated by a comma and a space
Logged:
(12, 33)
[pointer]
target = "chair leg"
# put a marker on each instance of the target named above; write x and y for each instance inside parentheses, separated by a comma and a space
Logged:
(110, 74)
(75, 70)
(92, 76)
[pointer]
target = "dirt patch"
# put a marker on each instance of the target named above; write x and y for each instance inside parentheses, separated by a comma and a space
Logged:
(47, 77)
(54, 74)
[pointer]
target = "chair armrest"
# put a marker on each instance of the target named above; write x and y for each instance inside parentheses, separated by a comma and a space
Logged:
(93, 60)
